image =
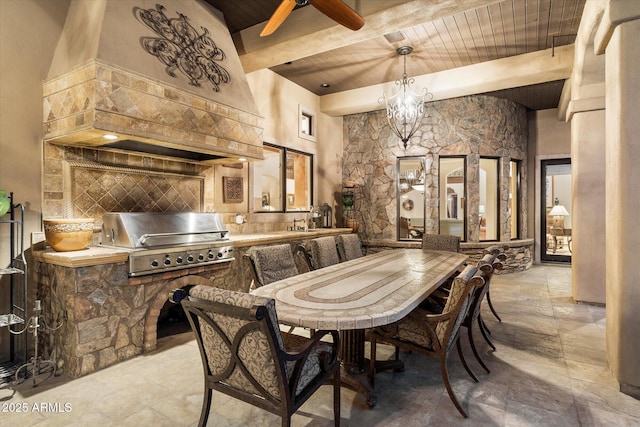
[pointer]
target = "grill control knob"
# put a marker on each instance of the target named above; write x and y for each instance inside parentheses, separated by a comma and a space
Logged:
(167, 261)
(190, 258)
(220, 254)
(200, 257)
(210, 255)
(179, 260)
(155, 263)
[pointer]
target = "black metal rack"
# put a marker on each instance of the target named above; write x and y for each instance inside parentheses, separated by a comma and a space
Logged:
(15, 274)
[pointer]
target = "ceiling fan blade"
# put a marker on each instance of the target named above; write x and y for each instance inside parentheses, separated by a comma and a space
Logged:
(278, 17)
(339, 12)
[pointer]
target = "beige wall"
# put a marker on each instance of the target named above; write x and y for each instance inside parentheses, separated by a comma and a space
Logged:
(623, 204)
(29, 31)
(26, 54)
(548, 137)
(278, 100)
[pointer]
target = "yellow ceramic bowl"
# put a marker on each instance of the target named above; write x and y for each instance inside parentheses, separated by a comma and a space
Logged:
(68, 234)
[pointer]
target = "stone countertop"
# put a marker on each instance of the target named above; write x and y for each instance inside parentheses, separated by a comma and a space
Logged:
(96, 255)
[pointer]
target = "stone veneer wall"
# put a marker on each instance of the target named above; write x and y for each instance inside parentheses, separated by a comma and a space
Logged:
(519, 252)
(110, 317)
(471, 126)
(96, 98)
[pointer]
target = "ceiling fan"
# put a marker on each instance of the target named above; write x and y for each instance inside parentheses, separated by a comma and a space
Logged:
(334, 9)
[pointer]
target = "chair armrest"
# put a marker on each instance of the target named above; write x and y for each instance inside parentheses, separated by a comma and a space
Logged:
(304, 350)
(298, 348)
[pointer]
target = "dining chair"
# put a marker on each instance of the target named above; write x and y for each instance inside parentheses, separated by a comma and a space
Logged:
(244, 355)
(349, 247)
(486, 266)
(499, 251)
(269, 264)
(430, 334)
(320, 252)
(441, 242)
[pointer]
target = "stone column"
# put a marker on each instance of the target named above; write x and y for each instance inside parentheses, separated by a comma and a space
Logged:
(619, 37)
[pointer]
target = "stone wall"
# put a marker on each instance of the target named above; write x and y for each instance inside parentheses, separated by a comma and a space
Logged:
(519, 252)
(108, 317)
(471, 126)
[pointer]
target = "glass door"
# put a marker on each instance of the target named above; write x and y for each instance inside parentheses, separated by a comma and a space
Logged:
(556, 210)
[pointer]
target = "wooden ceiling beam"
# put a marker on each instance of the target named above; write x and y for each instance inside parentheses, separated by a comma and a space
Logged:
(516, 71)
(307, 32)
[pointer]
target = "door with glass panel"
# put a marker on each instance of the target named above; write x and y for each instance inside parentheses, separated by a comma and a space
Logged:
(556, 244)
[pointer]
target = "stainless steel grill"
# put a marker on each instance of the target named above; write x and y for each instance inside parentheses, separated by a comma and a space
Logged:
(167, 241)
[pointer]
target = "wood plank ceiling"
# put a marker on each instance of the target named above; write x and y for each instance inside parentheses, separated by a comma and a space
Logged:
(493, 31)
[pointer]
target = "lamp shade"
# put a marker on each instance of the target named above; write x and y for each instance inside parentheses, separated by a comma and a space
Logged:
(558, 210)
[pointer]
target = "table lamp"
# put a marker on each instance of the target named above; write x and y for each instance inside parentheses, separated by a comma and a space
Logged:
(558, 213)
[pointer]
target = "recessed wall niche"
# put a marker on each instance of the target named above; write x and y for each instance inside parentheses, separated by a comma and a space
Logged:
(470, 127)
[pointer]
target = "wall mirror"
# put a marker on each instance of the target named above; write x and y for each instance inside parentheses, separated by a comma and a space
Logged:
(410, 202)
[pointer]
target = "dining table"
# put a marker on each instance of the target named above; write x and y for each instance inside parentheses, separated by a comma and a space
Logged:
(350, 297)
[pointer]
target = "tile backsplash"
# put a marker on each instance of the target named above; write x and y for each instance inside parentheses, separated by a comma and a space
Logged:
(87, 183)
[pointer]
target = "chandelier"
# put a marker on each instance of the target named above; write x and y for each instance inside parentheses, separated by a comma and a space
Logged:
(405, 109)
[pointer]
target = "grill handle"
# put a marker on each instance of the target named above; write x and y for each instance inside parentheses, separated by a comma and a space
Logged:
(147, 239)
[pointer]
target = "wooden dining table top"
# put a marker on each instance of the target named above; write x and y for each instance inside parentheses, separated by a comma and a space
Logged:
(370, 291)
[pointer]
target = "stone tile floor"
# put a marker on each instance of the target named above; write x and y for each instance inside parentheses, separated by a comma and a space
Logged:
(549, 369)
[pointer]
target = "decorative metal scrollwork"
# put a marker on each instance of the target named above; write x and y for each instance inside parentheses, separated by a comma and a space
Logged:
(180, 47)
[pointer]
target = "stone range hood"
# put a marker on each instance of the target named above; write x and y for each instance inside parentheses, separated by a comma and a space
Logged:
(109, 75)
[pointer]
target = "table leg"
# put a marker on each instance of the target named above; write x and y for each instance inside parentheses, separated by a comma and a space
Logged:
(355, 365)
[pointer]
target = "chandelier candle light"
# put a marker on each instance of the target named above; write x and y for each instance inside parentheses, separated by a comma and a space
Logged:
(405, 109)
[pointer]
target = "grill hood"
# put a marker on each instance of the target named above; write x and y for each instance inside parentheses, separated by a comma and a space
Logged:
(161, 75)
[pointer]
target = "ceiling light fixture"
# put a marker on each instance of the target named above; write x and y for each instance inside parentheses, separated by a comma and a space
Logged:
(110, 136)
(405, 109)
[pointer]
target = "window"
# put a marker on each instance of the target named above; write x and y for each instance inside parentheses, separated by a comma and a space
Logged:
(267, 181)
(306, 123)
(488, 210)
(514, 197)
(298, 181)
(411, 181)
(277, 188)
(452, 196)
